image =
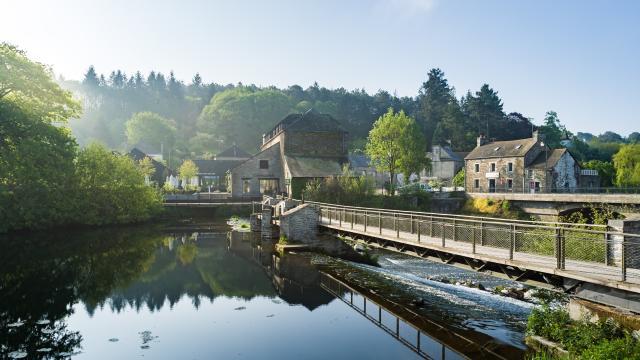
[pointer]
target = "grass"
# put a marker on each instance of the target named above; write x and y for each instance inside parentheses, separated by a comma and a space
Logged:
(583, 339)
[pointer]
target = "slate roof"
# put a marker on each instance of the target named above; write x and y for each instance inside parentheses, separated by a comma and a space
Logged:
(498, 149)
(216, 167)
(161, 171)
(234, 151)
(553, 157)
(303, 166)
(311, 121)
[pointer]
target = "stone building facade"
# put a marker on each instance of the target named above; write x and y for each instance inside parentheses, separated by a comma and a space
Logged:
(524, 165)
(300, 148)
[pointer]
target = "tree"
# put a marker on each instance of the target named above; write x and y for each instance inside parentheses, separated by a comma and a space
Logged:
(485, 111)
(91, 78)
(242, 115)
(114, 187)
(552, 130)
(633, 138)
(31, 85)
(147, 168)
(434, 97)
(395, 144)
(627, 164)
(151, 129)
(188, 170)
(610, 136)
(458, 180)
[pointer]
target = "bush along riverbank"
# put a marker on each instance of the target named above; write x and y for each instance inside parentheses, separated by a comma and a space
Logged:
(556, 336)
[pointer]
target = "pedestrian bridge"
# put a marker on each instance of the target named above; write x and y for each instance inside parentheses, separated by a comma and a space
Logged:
(597, 262)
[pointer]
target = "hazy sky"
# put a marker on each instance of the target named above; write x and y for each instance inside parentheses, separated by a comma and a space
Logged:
(579, 58)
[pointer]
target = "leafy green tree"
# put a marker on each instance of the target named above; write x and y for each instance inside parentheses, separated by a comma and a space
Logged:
(31, 85)
(188, 170)
(610, 136)
(114, 187)
(633, 138)
(552, 130)
(242, 115)
(396, 145)
(146, 168)
(627, 165)
(150, 129)
(458, 180)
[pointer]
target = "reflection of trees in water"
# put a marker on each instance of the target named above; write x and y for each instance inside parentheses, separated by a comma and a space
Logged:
(199, 267)
(42, 275)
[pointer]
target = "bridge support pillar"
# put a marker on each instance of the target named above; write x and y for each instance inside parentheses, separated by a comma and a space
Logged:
(624, 250)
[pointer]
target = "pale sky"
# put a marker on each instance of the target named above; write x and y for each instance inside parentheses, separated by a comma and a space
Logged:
(579, 58)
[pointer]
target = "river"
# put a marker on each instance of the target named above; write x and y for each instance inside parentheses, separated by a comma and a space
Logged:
(178, 292)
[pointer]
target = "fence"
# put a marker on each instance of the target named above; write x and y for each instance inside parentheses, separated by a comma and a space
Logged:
(593, 251)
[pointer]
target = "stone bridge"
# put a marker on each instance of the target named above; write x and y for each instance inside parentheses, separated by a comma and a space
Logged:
(550, 206)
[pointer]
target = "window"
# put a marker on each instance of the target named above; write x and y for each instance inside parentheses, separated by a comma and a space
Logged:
(510, 167)
(477, 167)
(493, 167)
(269, 186)
(510, 184)
(246, 186)
(476, 183)
(264, 164)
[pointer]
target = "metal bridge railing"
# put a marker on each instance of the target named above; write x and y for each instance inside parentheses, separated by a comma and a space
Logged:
(594, 251)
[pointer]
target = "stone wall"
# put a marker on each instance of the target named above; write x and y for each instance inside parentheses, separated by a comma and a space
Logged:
(517, 175)
(316, 144)
(250, 170)
(300, 223)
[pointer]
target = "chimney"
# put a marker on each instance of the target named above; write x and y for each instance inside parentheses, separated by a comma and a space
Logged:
(481, 140)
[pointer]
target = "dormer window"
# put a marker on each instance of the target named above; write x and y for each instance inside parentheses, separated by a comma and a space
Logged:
(497, 148)
(518, 146)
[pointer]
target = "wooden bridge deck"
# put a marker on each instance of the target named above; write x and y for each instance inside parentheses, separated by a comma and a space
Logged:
(583, 271)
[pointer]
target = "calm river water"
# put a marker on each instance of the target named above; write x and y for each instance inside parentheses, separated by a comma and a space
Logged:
(147, 292)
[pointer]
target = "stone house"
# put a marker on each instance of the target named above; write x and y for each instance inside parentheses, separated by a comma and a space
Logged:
(299, 149)
(445, 164)
(524, 165)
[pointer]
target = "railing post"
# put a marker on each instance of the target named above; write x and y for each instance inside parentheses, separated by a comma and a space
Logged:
(330, 215)
(606, 248)
(397, 225)
(473, 240)
(512, 245)
(562, 249)
(418, 230)
(353, 214)
(443, 232)
(380, 222)
(623, 261)
(411, 219)
(454, 230)
(365, 221)
(481, 233)
(557, 249)
(430, 226)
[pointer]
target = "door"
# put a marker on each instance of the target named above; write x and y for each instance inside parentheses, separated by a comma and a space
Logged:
(492, 185)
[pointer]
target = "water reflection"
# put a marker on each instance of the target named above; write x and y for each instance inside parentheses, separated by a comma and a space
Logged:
(111, 292)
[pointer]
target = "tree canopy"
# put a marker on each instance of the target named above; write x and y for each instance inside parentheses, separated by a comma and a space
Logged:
(396, 145)
(627, 165)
